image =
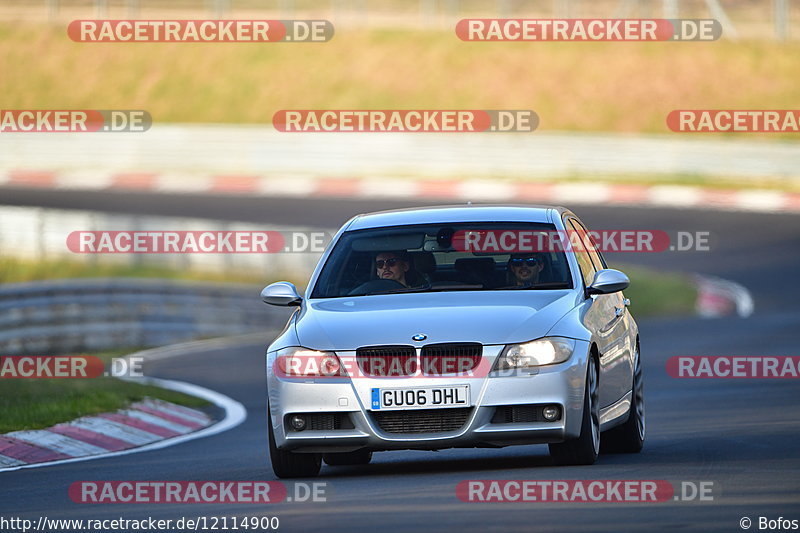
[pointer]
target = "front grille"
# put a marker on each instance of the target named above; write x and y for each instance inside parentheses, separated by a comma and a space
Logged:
(387, 361)
(422, 420)
(438, 359)
(323, 421)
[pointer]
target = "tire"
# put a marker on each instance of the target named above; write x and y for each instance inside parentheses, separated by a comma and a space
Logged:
(358, 457)
(629, 437)
(584, 449)
(288, 464)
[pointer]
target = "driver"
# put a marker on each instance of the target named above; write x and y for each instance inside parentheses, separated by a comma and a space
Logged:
(525, 268)
(393, 265)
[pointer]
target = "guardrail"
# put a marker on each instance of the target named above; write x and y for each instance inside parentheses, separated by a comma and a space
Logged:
(70, 316)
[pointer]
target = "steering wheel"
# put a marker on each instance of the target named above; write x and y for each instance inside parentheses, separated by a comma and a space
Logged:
(377, 285)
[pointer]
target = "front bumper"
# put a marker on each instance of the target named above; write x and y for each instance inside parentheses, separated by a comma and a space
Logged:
(561, 384)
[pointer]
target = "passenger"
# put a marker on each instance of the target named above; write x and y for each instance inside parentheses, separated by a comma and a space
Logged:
(525, 268)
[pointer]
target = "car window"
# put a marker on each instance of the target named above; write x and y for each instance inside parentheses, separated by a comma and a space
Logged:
(471, 256)
(584, 260)
(597, 260)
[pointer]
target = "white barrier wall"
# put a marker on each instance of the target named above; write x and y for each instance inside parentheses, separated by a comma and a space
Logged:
(41, 234)
(193, 152)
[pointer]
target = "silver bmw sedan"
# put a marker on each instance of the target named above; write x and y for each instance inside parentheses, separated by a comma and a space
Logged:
(458, 326)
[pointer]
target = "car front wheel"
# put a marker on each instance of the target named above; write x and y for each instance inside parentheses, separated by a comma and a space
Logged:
(584, 449)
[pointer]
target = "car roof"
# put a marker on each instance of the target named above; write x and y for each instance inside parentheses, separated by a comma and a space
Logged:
(455, 213)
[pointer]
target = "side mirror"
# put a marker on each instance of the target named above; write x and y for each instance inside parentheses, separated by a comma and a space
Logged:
(281, 293)
(608, 281)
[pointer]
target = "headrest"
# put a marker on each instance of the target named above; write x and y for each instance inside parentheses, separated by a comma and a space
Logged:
(423, 261)
(479, 265)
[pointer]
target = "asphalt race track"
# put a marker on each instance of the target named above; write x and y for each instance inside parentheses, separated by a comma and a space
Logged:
(742, 435)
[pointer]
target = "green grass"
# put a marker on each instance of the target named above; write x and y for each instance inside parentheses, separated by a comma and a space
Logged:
(623, 87)
(14, 270)
(655, 293)
(41, 403)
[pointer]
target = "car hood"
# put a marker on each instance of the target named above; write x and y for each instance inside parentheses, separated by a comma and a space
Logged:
(495, 317)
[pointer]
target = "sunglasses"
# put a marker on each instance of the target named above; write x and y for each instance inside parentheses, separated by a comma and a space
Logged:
(530, 261)
(388, 262)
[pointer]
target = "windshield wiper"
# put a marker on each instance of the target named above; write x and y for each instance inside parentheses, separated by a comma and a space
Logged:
(433, 288)
(467, 287)
(405, 289)
(538, 286)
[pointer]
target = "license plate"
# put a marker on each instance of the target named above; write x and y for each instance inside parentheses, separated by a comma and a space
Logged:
(420, 398)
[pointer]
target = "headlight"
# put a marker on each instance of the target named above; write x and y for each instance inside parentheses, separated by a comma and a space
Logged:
(299, 361)
(544, 351)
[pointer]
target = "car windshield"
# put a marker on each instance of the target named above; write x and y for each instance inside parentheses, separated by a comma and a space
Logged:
(443, 257)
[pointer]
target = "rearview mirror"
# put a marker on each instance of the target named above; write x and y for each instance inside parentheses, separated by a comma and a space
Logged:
(281, 293)
(608, 281)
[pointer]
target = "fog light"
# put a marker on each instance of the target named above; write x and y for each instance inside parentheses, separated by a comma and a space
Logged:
(551, 412)
(298, 423)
